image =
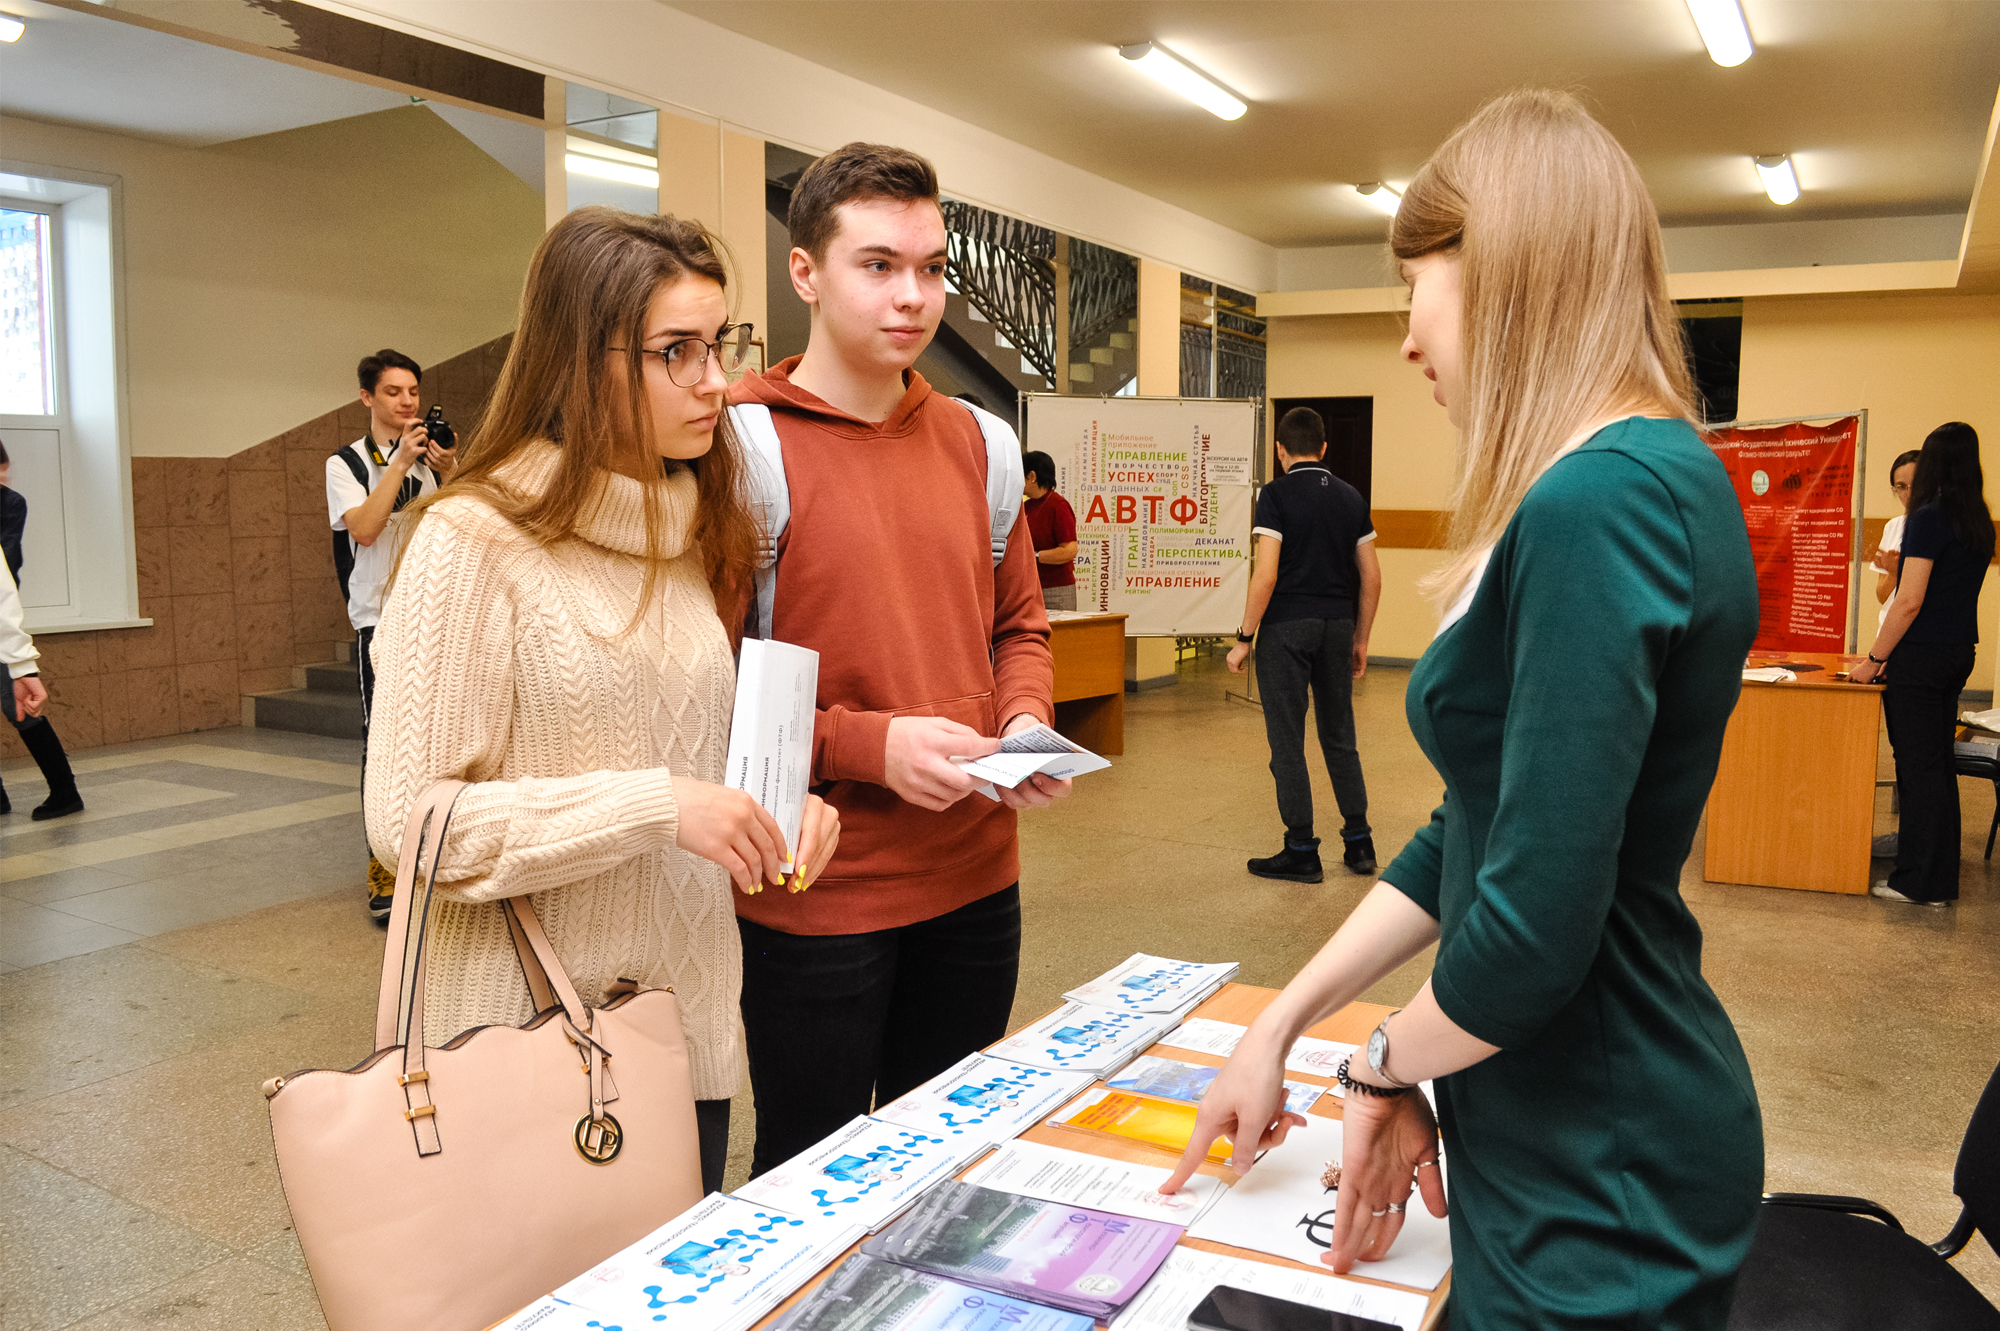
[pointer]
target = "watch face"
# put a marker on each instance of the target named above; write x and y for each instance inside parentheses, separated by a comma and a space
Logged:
(1378, 1048)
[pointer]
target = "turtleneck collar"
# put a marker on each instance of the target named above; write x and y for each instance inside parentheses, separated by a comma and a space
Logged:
(615, 516)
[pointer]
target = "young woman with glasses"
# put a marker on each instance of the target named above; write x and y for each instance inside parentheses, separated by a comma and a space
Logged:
(550, 635)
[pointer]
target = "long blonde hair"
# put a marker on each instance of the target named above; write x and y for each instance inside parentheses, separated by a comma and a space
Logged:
(1566, 312)
(589, 286)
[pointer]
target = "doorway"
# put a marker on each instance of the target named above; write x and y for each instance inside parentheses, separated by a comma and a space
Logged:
(1350, 435)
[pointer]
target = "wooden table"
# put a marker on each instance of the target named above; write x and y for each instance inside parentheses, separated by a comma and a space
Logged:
(1239, 1003)
(1090, 680)
(1793, 803)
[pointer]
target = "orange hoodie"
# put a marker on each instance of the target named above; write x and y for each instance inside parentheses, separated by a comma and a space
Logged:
(886, 570)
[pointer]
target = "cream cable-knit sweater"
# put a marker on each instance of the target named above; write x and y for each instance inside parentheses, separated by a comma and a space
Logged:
(502, 663)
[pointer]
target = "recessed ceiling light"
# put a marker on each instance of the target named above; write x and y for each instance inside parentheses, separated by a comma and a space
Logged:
(1381, 195)
(1723, 30)
(11, 28)
(1185, 79)
(1780, 181)
(603, 170)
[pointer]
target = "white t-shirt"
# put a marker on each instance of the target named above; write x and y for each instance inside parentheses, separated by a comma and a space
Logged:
(1892, 543)
(371, 562)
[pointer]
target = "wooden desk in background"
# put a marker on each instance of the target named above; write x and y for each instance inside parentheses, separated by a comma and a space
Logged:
(1794, 798)
(1090, 680)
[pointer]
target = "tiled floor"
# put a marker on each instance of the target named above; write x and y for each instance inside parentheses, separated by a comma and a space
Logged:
(201, 929)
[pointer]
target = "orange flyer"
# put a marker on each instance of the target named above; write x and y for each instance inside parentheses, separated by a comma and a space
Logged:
(1164, 1123)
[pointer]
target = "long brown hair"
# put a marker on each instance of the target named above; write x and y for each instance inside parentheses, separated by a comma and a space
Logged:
(1566, 312)
(588, 289)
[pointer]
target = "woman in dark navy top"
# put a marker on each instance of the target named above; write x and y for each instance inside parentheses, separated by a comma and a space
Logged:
(1924, 654)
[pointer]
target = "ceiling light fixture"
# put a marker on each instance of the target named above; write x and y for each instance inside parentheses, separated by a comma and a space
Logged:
(11, 28)
(603, 170)
(1723, 30)
(1381, 195)
(1780, 181)
(1185, 79)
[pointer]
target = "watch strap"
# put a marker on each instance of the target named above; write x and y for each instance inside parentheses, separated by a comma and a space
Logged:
(1353, 1087)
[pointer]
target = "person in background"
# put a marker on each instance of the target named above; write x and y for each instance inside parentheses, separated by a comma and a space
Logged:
(368, 483)
(1923, 654)
(1052, 523)
(550, 635)
(1888, 561)
(35, 730)
(1600, 1123)
(1313, 592)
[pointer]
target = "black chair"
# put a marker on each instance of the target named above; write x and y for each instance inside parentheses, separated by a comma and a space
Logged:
(1823, 1263)
(1986, 770)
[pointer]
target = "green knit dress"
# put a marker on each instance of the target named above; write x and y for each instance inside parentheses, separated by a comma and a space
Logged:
(1605, 1166)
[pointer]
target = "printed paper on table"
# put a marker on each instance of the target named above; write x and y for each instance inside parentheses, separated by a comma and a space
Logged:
(1145, 983)
(718, 1266)
(1282, 1208)
(551, 1314)
(1310, 1055)
(867, 1294)
(1188, 1274)
(1080, 1038)
(771, 731)
(1046, 1252)
(1171, 1079)
(983, 1098)
(863, 1174)
(1167, 1124)
(1030, 1169)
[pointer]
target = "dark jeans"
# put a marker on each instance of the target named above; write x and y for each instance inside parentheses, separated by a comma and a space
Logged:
(711, 1128)
(839, 1023)
(1921, 700)
(364, 670)
(1294, 656)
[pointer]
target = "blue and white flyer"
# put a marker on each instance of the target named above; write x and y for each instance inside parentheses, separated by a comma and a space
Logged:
(1146, 983)
(1080, 1038)
(983, 1098)
(862, 1176)
(718, 1266)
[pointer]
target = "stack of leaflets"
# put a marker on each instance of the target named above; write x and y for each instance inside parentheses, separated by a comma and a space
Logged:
(1030, 1169)
(1309, 1054)
(983, 1099)
(1045, 1252)
(1146, 983)
(864, 1294)
(718, 1266)
(1171, 1079)
(1080, 1038)
(862, 1175)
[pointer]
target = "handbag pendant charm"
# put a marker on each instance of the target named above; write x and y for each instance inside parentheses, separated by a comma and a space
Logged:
(599, 1140)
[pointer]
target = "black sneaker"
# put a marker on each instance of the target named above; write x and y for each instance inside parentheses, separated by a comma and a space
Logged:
(1360, 855)
(1294, 864)
(57, 806)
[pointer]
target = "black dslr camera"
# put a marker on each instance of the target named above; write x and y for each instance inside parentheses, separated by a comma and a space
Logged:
(439, 429)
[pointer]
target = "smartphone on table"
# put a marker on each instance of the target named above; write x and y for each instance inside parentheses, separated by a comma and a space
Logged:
(1230, 1309)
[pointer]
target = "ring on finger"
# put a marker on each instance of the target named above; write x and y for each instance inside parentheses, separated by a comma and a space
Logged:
(1427, 1164)
(1397, 1208)
(1378, 1214)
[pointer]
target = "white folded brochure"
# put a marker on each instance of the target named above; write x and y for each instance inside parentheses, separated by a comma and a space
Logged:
(1188, 1274)
(1283, 1208)
(718, 1266)
(863, 1175)
(1768, 675)
(551, 1314)
(771, 731)
(1030, 1169)
(982, 1099)
(1027, 752)
(1080, 1038)
(1309, 1054)
(1146, 983)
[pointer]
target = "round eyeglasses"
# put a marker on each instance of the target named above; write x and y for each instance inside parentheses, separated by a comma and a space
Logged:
(686, 358)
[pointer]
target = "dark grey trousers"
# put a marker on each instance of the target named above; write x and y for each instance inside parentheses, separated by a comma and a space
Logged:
(1295, 657)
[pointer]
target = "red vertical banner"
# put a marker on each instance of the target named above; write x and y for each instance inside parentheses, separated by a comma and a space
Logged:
(1796, 485)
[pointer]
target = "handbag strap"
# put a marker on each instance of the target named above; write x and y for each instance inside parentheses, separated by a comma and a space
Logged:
(399, 1009)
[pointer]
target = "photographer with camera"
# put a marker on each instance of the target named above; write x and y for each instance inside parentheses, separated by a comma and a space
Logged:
(367, 485)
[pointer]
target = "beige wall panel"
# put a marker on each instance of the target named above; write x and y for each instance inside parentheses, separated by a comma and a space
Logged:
(1407, 619)
(1159, 330)
(256, 273)
(690, 168)
(743, 227)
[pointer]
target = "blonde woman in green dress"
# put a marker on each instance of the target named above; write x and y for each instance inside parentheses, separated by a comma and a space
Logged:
(1599, 1122)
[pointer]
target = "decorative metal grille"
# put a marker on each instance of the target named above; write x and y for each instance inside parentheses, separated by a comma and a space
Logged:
(1103, 292)
(1197, 360)
(1006, 269)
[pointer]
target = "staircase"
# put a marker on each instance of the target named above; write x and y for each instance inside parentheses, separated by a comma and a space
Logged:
(326, 700)
(1107, 367)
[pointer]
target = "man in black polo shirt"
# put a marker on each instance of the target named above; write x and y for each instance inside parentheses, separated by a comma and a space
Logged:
(1313, 591)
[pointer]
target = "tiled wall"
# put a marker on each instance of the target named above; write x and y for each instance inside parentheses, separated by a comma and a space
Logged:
(236, 573)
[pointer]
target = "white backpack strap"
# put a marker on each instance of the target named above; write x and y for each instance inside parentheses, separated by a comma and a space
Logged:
(770, 499)
(1003, 477)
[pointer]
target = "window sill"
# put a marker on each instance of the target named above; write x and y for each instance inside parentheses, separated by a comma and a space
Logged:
(85, 626)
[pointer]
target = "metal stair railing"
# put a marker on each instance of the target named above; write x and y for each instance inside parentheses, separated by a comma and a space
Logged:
(1006, 268)
(1103, 291)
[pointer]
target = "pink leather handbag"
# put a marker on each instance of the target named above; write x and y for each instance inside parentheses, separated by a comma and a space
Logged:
(446, 1188)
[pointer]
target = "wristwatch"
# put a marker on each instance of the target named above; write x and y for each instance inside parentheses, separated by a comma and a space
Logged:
(1241, 636)
(1353, 1087)
(1378, 1054)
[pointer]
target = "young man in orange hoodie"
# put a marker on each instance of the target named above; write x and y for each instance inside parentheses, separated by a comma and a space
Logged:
(902, 957)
